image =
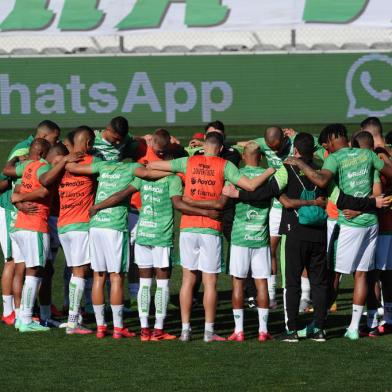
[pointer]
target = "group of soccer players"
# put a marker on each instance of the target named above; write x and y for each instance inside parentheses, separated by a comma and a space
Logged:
(109, 200)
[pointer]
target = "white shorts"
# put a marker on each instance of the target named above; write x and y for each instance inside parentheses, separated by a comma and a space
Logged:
(275, 216)
(330, 228)
(16, 252)
(384, 252)
(201, 252)
(76, 248)
(34, 247)
(109, 250)
(133, 218)
(257, 259)
(356, 248)
(5, 240)
(153, 256)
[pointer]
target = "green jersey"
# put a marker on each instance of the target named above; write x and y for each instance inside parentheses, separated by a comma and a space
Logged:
(275, 159)
(20, 149)
(231, 174)
(156, 219)
(250, 226)
(114, 153)
(353, 169)
(113, 177)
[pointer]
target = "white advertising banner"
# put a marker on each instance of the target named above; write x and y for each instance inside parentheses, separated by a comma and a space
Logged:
(110, 17)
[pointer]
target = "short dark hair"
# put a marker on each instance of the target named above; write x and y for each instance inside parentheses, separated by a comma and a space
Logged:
(59, 148)
(52, 126)
(304, 143)
(334, 131)
(214, 138)
(120, 125)
(388, 138)
(71, 136)
(373, 122)
(364, 136)
(163, 134)
(84, 128)
(215, 124)
(322, 137)
(40, 144)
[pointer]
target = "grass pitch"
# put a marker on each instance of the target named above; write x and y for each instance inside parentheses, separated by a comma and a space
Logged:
(56, 362)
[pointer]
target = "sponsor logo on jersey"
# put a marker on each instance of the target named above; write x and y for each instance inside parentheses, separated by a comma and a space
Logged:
(152, 188)
(108, 176)
(357, 174)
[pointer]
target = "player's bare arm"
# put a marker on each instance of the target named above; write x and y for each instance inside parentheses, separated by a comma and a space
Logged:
(36, 195)
(321, 178)
(27, 207)
(207, 204)
(50, 177)
(160, 165)
(387, 169)
(150, 174)
(298, 203)
(113, 200)
(76, 168)
(10, 168)
(180, 205)
(4, 186)
(250, 184)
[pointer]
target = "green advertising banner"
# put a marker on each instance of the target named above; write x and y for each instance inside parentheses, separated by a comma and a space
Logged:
(190, 90)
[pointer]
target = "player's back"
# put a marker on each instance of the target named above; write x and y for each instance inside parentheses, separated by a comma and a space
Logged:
(250, 227)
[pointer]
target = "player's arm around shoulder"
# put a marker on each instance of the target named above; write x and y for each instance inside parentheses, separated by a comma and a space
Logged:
(13, 169)
(251, 184)
(117, 198)
(321, 177)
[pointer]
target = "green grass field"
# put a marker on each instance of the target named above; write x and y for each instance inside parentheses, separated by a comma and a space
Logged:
(56, 362)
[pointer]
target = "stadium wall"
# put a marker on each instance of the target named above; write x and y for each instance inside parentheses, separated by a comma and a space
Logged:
(189, 90)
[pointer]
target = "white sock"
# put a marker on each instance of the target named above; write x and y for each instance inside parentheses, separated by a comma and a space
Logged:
(29, 295)
(388, 312)
(133, 289)
(356, 317)
(272, 287)
(209, 327)
(117, 311)
(161, 301)
(87, 291)
(305, 289)
(238, 320)
(372, 321)
(263, 319)
(186, 326)
(17, 312)
(45, 312)
(144, 300)
(8, 307)
(99, 311)
(76, 288)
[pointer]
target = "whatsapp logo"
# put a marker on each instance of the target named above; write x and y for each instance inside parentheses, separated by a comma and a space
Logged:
(369, 87)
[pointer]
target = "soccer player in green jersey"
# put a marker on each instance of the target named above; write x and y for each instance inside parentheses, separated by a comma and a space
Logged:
(276, 147)
(109, 238)
(353, 171)
(114, 143)
(250, 251)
